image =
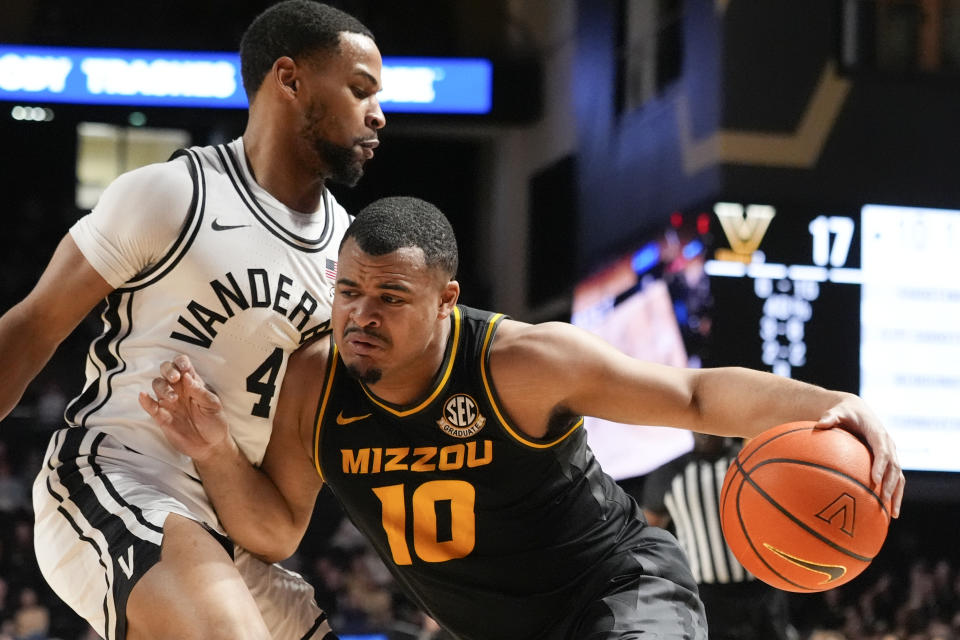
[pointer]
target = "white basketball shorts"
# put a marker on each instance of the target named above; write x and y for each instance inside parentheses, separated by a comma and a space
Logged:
(100, 509)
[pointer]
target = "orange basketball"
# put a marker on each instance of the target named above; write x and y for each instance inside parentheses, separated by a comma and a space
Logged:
(799, 510)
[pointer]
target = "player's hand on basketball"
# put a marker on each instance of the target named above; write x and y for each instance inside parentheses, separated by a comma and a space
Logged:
(853, 414)
(189, 413)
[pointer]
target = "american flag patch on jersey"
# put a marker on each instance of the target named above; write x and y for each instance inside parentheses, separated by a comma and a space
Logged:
(331, 269)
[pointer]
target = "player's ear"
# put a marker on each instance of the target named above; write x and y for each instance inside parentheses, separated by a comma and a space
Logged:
(448, 299)
(284, 74)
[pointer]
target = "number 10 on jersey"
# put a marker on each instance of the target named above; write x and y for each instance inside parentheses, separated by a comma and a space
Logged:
(442, 516)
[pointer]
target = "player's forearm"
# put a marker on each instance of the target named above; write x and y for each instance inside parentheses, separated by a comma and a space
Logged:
(250, 507)
(25, 349)
(743, 402)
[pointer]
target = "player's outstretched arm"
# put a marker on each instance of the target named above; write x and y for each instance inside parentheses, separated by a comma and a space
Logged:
(264, 510)
(31, 330)
(540, 369)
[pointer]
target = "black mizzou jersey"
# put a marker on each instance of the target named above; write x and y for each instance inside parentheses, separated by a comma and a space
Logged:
(491, 532)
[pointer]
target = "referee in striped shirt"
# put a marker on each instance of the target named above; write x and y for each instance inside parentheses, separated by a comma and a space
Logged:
(685, 493)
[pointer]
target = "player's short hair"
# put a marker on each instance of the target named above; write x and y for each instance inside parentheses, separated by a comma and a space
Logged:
(293, 28)
(388, 224)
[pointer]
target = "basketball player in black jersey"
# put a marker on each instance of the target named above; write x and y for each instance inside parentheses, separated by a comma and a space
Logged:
(453, 438)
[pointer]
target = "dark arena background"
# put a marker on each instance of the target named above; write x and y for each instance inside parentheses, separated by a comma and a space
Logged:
(701, 182)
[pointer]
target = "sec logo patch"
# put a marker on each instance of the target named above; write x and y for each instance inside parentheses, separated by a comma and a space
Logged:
(461, 417)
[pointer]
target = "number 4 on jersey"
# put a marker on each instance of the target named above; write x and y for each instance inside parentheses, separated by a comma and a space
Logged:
(263, 382)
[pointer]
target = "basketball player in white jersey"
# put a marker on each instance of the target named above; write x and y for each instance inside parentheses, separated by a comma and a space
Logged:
(227, 253)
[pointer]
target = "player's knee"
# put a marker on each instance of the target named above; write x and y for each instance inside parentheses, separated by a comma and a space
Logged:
(193, 593)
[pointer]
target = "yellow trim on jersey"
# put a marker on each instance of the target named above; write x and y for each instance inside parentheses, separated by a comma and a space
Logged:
(328, 387)
(488, 387)
(440, 384)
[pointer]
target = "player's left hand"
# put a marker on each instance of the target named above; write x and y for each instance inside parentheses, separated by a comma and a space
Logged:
(853, 414)
(188, 412)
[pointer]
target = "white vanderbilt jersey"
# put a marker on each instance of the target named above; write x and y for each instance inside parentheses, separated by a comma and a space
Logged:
(245, 283)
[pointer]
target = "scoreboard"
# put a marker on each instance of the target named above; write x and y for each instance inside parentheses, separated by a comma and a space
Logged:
(787, 298)
(866, 301)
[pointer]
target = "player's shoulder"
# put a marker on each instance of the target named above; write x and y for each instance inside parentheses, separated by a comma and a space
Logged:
(308, 363)
(157, 177)
(519, 346)
(214, 158)
(522, 337)
(158, 188)
(553, 353)
(313, 351)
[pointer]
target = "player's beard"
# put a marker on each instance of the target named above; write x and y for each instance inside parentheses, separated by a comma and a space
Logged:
(341, 162)
(370, 376)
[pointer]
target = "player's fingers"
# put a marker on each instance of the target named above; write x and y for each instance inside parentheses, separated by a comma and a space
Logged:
(149, 405)
(184, 364)
(170, 371)
(160, 415)
(884, 460)
(202, 392)
(164, 391)
(897, 501)
(881, 462)
(828, 420)
(888, 476)
(893, 480)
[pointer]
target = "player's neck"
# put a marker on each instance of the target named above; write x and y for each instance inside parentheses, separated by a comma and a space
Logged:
(274, 166)
(412, 382)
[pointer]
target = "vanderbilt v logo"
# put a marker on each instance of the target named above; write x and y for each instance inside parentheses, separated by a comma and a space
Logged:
(744, 229)
(126, 564)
